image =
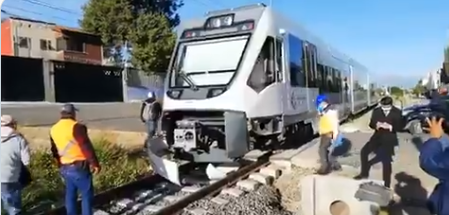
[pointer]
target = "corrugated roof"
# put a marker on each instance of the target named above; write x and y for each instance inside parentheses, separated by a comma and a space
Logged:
(61, 28)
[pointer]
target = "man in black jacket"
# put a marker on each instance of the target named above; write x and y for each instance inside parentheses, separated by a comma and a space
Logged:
(386, 121)
(150, 112)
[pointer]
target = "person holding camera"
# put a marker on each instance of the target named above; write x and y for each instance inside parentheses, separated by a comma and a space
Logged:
(386, 121)
(434, 160)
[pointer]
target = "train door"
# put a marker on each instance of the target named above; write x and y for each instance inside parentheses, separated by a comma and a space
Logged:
(310, 67)
(297, 93)
(351, 88)
(279, 68)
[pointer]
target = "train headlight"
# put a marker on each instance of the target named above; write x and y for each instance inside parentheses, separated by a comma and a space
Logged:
(188, 136)
(215, 92)
(220, 21)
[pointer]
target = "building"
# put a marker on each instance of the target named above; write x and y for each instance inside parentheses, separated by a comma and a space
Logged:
(36, 39)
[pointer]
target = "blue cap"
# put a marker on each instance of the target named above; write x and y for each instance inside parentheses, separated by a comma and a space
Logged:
(69, 108)
(320, 99)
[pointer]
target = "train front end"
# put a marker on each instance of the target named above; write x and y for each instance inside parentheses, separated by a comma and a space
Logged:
(204, 115)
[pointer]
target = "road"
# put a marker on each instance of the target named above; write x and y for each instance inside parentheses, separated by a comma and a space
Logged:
(107, 116)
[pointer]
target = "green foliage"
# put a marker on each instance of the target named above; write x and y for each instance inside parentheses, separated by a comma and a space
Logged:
(151, 31)
(47, 188)
(146, 24)
(396, 91)
(419, 89)
(446, 54)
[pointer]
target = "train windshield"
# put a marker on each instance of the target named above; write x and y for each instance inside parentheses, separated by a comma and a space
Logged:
(208, 62)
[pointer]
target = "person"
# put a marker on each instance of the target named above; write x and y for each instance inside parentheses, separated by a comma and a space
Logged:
(386, 121)
(76, 158)
(15, 156)
(434, 160)
(329, 133)
(150, 112)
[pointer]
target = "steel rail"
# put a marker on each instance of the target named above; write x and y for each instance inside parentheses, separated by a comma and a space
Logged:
(215, 187)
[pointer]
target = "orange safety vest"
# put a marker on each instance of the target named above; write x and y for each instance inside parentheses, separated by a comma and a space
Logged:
(68, 148)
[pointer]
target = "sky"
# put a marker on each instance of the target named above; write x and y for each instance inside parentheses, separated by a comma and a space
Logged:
(399, 41)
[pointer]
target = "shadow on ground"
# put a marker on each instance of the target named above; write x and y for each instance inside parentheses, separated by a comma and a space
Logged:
(413, 196)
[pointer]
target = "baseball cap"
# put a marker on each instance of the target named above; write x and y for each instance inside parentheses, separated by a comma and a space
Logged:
(7, 119)
(69, 108)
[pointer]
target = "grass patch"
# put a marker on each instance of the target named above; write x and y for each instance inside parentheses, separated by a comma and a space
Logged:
(119, 166)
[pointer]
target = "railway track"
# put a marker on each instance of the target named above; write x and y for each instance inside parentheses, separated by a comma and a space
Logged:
(154, 195)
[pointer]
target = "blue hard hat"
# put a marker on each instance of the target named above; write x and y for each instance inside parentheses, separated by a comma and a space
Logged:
(320, 99)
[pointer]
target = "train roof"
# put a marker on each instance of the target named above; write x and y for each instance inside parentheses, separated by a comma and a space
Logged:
(326, 52)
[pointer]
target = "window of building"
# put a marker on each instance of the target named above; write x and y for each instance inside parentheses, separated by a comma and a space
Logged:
(46, 45)
(24, 42)
(74, 45)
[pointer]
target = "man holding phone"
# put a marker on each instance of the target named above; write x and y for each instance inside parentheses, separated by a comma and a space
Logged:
(386, 121)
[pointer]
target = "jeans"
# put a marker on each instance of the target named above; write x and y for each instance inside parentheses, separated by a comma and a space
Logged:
(78, 179)
(151, 128)
(11, 197)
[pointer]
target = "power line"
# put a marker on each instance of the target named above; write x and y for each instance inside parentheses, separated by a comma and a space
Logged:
(34, 12)
(44, 4)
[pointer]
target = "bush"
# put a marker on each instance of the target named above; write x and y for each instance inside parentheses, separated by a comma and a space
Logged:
(47, 188)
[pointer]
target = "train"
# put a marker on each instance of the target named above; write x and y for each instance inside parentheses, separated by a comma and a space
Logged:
(246, 78)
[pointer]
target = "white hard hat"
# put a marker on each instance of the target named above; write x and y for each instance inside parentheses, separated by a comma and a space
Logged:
(151, 95)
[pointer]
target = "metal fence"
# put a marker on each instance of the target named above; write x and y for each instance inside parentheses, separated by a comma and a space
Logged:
(139, 84)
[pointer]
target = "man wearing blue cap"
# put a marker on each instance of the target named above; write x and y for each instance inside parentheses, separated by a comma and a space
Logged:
(329, 134)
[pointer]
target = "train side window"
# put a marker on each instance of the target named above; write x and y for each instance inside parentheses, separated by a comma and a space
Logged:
(321, 78)
(263, 73)
(279, 61)
(313, 66)
(338, 80)
(307, 61)
(297, 75)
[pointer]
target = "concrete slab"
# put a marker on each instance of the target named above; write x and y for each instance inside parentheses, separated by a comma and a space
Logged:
(190, 189)
(261, 178)
(307, 159)
(153, 208)
(220, 201)
(248, 184)
(253, 155)
(233, 192)
(272, 170)
(125, 203)
(198, 211)
(318, 193)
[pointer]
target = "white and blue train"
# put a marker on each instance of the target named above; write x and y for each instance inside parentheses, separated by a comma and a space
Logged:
(246, 77)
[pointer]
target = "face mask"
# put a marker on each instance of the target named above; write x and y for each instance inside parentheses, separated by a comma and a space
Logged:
(321, 107)
(386, 108)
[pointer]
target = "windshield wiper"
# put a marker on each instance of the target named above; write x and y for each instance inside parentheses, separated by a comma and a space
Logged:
(188, 80)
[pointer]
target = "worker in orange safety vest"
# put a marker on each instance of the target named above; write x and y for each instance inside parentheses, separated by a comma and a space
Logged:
(71, 147)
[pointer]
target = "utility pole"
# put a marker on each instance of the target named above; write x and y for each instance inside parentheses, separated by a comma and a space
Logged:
(125, 74)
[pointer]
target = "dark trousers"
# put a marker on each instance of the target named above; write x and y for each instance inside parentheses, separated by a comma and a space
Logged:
(384, 158)
(78, 179)
(327, 160)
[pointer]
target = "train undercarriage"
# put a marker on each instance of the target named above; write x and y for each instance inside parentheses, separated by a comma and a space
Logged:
(218, 137)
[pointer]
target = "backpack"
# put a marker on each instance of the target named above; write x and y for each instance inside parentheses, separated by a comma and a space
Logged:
(148, 113)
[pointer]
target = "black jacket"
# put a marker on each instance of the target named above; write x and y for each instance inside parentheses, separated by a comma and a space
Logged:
(384, 140)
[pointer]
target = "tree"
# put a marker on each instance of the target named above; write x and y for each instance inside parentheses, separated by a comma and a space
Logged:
(446, 54)
(419, 89)
(151, 31)
(396, 91)
(134, 21)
